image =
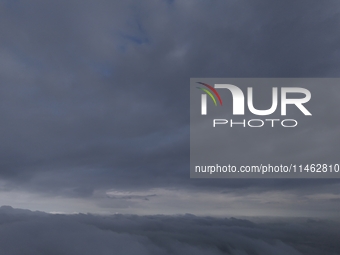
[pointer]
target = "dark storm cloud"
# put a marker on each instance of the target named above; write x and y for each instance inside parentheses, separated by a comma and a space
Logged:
(94, 95)
(129, 234)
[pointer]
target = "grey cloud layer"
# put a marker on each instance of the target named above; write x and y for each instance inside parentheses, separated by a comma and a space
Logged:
(26, 232)
(95, 95)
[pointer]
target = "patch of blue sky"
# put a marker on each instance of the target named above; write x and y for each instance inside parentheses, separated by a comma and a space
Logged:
(135, 39)
(105, 70)
(24, 58)
(10, 3)
(134, 34)
(169, 1)
(127, 39)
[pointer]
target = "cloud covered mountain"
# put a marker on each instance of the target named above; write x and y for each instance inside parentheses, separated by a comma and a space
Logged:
(34, 233)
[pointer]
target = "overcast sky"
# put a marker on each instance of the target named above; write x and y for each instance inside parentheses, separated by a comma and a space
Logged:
(94, 101)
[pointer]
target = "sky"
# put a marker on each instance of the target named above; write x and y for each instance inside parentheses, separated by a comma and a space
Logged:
(94, 102)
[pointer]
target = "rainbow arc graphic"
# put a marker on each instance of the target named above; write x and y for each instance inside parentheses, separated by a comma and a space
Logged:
(213, 94)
